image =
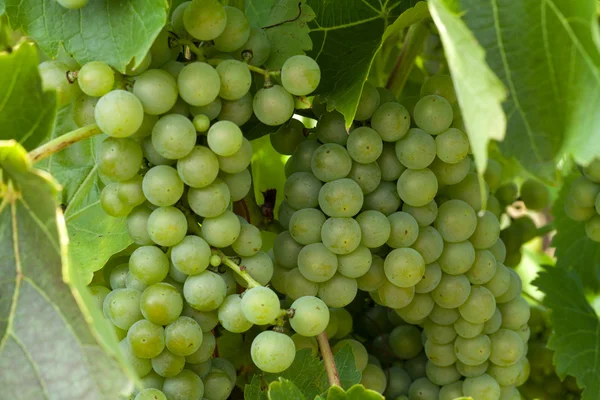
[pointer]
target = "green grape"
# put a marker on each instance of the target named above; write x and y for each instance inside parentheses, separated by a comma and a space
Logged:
(257, 48)
(205, 291)
(273, 106)
(199, 168)
(457, 258)
(456, 221)
(162, 186)
(433, 114)
(210, 201)
(207, 320)
(149, 264)
(391, 168)
(177, 19)
(111, 203)
(161, 51)
(452, 291)
(355, 264)
(198, 82)
(330, 162)
(181, 108)
(235, 79)
(119, 113)
(339, 291)
(592, 228)
(96, 78)
(191, 256)
(54, 78)
(493, 174)
(441, 355)
(272, 351)
(500, 282)
(424, 215)
(384, 199)
(301, 190)
(368, 102)
(450, 174)
(205, 20)
(493, 324)
(341, 198)
(535, 195)
(205, 351)
(278, 279)
(394, 296)
(119, 159)
(364, 145)
(592, 171)
(506, 376)
(440, 85)
(300, 75)
(398, 383)
(132, 70)
(375, 228)
(217, 385)
(288, 137)
(141, 366)
(473, 351)
(332, 128)
(404, 230)
(238, 161)
(260, 305)
(130, 191)
(487, 231)
(483, 268)
(575, 212)
(507, 193)
(386, 95)
(441, 376)
(259, 266)
(231, 315)
(317, 263)
(361, 357)
(152, 155)
(183, 336)
(374, 378)
(302, 156)
(286, 250)
(83, 110)
(466, 329)
(157, 91)
(483, 387)
(296, 285)
(451, 391)
(161, 303)
(341, 235)
(122, 307)
(147, 340)
(184, 386)
(237, 111)
(374, 278)
(429, 244)
(441, 334)
(416, 150)
(99, 293)
(118, 276)
(167, 364)
(201, 123)
(167, 226)
(150, 393)
(509, 393)
(248, 242)
(239, 183)
(417, 187)
(367, 176)
(493, 206)
(236, 32)
(514, 290)
(423, 389)
(174, 136)
(418, 309)
(310, 316)
(131, 282)
(404, 267)
(469, 371)
(221, 231)
(305, 225)
(452, 146)
(469, 190)
(515, 313)
(176, 274)
(431, 278)
(345, 322)
(211, 110)
(391, 121)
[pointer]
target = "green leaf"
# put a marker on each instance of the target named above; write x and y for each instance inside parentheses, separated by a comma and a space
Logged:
(479, 91)
(407, 18)
(267, 170)
(286, 25)
(573, 248)
(576, 336)
(256, 389)
(356, 392)
(26, 112)
(346, 366)
(104, 30)
(284, 390)
(306, 372)
(345, 46)
(47, 349)
(545, 53)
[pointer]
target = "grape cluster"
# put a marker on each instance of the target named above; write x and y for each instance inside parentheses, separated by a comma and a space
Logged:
(393, 207)
(582, 203)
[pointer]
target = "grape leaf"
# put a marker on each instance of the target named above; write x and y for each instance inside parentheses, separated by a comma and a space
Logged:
(267, 170)
(284, 389)
(346, 366)
(104, 30)
(26, 112)
(47, 349)
(573, 248)
(356, 392)
(256, 389)
(576, 336)
(479, 92)
(346, 63)
(286, 25)
(549, 61)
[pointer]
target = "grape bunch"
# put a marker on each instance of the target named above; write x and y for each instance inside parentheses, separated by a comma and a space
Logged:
(393, 207)
(582, 203)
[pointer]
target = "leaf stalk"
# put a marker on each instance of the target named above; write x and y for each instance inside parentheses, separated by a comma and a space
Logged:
(62, 142)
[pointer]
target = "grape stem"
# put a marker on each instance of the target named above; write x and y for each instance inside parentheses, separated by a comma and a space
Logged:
(328, 360)
(263, 71)
(415, 38)
(62, 142)
(193, 48)
(240, 270)
(544, 230)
